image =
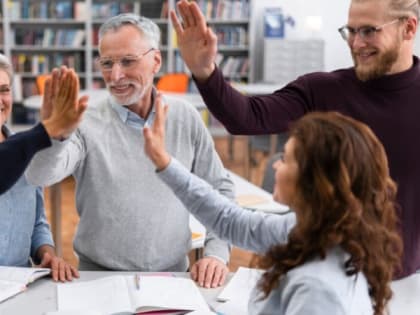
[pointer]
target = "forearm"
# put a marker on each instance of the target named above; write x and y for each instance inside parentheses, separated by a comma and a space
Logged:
(56, 163)
(249, 230)
(16, 153)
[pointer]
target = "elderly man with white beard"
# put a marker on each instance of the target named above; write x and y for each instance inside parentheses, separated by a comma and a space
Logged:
(129, 220)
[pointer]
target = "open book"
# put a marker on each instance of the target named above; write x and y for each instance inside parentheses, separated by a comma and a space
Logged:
(14, 280)
(121, 295)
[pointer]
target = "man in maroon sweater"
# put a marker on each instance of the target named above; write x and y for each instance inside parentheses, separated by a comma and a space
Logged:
(381, 90)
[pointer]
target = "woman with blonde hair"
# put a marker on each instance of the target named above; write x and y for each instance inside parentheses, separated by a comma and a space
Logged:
(337, 252)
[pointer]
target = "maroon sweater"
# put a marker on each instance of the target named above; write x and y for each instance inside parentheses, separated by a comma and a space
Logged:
(389, 105)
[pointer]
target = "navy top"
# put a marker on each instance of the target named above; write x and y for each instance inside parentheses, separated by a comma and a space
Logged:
(388, 105)
(16, 152)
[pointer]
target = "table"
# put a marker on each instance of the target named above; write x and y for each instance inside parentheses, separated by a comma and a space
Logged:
(41, 295)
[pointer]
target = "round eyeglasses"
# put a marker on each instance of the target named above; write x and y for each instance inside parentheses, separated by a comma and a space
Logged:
(106, 64)
(365, 32)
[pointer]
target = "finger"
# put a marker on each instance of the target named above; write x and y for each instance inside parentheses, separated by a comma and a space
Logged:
(75, 272)
(217, 275)
(54, 268)
(194, 272)
(196, 17)
(223, 277)
(160, 113)
(62, 270)
(69, 274)
(202, 274)
(208, 280)
(177, 24)
(82, 105)
(55, 79)
(184, 12)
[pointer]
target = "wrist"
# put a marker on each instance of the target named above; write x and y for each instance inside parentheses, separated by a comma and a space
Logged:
(162, 161)
(202, 74)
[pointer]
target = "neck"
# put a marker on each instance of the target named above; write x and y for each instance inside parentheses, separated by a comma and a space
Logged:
(144, 106)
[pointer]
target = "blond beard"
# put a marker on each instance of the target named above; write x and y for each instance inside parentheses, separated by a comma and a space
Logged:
(382, 66)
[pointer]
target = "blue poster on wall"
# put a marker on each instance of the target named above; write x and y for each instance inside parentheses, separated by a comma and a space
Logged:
(275, 22)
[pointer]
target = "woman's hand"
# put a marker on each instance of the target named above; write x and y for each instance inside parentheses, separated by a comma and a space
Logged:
(61, 109)
(60, 269)
(154, 137)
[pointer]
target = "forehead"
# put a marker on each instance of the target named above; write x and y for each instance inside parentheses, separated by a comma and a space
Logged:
(4, 78)
(126, 40)
(367, 12)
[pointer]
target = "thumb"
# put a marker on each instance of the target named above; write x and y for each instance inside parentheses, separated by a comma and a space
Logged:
(46, 260)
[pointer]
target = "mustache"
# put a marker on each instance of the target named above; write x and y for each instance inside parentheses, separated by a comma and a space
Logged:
(118, 83)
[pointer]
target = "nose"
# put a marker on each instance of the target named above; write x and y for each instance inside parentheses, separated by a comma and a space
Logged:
(356, 41)
(116, 72)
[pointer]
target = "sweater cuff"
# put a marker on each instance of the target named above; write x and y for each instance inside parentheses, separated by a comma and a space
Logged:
(203, 86)
(38, 132)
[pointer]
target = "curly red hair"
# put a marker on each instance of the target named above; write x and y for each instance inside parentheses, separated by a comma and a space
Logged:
(344, 197)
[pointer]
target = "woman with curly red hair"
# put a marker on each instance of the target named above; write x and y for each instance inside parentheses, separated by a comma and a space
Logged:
(337, 251)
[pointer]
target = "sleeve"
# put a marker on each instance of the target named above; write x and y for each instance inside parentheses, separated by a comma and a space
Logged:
(253, 115)
(57, 162)
(16, 153)
(41, 234)
(311, 296)
(249, 230)
(208, 166)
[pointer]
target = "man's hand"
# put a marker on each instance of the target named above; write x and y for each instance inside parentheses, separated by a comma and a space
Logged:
(61, 270)
(196, 41)
(209, 272)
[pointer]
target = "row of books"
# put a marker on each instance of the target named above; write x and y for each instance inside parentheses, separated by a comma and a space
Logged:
(235, 68)
(48, 37)
(231, 35)
(46, 9)
(224, 9)
(105, 10)
(41, 63)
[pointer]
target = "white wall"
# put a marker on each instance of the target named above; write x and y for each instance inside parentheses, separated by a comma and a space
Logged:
(333, 14)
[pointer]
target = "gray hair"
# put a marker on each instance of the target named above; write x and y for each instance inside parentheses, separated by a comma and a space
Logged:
(6, 66)
(147, 27)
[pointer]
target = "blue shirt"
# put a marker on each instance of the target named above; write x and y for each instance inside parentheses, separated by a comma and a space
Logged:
(23, 224)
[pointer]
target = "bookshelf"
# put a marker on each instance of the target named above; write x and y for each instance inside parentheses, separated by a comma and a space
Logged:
(38, 35)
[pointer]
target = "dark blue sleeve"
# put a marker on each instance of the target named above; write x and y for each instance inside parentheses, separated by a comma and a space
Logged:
(17, 151)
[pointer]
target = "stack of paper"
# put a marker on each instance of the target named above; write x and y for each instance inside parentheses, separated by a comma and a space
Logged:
(120, 295)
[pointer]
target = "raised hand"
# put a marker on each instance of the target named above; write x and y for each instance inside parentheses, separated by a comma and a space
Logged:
(197, 42)
(61, 109)
(154, 137)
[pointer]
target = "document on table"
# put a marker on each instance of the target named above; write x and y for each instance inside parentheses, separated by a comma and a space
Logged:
(405, 299)
(119, 295)
(14, 280)
(261, 203)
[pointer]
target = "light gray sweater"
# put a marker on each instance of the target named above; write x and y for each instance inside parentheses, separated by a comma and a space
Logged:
(129, 219)
(317, 287)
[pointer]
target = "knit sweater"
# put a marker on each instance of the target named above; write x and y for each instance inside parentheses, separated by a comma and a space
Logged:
(129, 220)
(388, 105)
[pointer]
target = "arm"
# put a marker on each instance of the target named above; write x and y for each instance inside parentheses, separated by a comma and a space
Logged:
(17, 151)
(250, 230)
(60, 100)
(238, 113)
(42, 246)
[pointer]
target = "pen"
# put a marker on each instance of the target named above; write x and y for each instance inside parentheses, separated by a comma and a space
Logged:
(137, 281)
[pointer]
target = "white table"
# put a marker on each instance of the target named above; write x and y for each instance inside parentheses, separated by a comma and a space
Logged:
(41, 295)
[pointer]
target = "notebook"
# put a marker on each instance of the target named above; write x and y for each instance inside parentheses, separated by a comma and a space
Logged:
(120, 295)
(14, 280)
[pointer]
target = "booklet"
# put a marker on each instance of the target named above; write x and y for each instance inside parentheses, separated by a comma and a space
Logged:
(130, 294)
(14, 280)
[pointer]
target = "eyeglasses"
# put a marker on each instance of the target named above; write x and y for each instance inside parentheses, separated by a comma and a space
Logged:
(107, 63)
(365, 32)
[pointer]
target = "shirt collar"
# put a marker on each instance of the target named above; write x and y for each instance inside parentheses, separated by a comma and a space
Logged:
(6, 131)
